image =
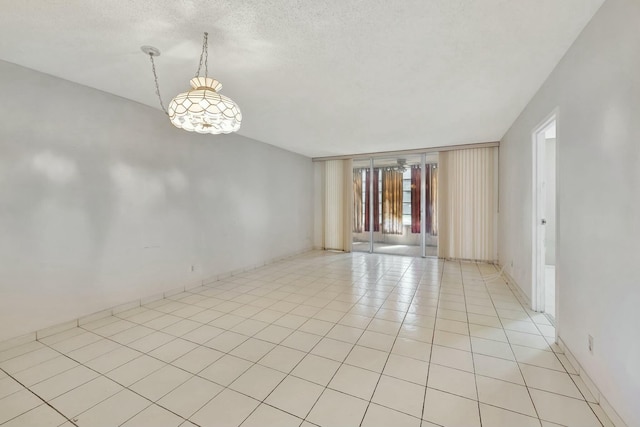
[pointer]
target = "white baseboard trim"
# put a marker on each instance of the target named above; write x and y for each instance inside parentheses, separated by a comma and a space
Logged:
(61, 327)
(524, 298)
(593, 389)
(17, 341)
(56, 329)
(608, 410)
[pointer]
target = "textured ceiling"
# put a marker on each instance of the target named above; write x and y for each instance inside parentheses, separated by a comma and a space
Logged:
(319, 78)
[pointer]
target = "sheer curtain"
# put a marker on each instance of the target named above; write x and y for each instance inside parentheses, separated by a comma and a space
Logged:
(376, 200)
(467, 204)
(432, 199)
(391, 201)
(416, 188)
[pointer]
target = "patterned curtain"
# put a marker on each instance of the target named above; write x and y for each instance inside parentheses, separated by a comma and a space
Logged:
(427, 193)
(391, 201)
(357, 201)
(432, 200)
(376, 200)
(416, 185)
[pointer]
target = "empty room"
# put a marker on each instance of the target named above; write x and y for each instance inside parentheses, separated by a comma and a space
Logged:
(335, 213)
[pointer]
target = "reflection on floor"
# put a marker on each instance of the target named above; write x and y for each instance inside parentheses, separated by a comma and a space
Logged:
(550, 290)
(333, 339)
(385, 248)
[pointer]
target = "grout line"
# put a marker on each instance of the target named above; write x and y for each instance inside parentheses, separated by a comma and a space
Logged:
(100, 374)
(325, 387)
(517, 363)
(473, 360)
(336, 284)
(36, 395)
(390, 350)
(227, 353)
(565, 371)
(433, 336)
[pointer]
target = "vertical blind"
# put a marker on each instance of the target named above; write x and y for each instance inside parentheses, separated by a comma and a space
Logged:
(338, 205)
(467, 204)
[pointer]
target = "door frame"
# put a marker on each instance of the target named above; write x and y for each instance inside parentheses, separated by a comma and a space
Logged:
(538, 140)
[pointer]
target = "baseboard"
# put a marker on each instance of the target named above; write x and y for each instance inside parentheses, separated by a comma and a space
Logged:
(17, 341)
(584, 376)
(483, 261)
(513, 285)
(61, 327)
(593, 388)
(228, 274)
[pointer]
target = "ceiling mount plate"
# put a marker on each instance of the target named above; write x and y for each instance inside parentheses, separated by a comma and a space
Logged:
(150, 50)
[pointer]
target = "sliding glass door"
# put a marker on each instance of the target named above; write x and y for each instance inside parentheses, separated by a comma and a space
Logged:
(430, 205)
(395, 205)
(396, 221)
(361, 190)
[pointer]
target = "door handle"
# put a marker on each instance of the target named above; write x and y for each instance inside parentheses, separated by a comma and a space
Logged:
(543, 222)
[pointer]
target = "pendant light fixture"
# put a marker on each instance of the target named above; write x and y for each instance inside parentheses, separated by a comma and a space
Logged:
(201, 109)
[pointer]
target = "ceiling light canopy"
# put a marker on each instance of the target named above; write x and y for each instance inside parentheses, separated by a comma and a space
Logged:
(201, 109)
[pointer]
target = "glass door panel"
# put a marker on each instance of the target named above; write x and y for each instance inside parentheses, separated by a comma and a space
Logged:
(397, 225)
(360, 226)
(431, 204)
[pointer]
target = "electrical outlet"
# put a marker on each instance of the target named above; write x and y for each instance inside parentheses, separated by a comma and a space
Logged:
(590, 344)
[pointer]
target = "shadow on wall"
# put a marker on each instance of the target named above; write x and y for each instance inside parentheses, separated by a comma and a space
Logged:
(69, 204)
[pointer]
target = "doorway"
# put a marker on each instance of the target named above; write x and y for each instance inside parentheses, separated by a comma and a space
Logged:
(544, 215)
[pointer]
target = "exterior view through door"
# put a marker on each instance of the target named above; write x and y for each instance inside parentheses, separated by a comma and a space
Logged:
(396, 205)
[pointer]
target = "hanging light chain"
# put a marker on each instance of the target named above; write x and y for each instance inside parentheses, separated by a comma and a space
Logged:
(155, 77)
(204, 55)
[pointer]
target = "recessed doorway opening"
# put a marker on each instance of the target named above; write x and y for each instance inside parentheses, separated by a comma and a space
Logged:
(544, 218)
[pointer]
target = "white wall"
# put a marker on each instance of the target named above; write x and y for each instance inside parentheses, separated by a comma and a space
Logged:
(103, 201)
(596, 88)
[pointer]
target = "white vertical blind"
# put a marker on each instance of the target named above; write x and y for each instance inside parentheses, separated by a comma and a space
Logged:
(468, 204)
(338, 205)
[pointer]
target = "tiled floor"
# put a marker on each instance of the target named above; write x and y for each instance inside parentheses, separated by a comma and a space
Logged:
(389, 249)
(550, 290)
(320, 339)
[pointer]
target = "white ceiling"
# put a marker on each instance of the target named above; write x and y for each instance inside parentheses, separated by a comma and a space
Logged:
(320, 78)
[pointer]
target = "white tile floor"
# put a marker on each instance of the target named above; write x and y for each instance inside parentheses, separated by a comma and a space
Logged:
(320, 339)
(550, 290)
(393, 249)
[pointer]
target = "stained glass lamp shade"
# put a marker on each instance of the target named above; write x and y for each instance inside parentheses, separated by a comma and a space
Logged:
(204, 110)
